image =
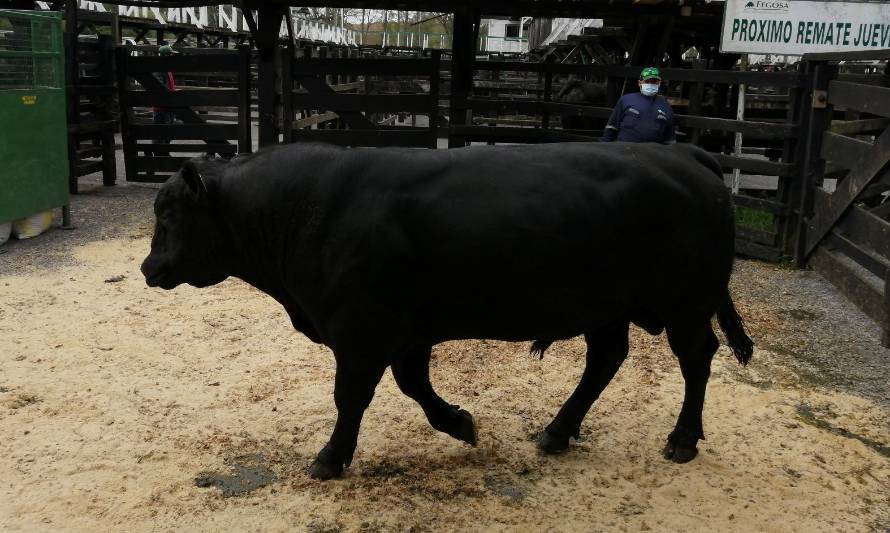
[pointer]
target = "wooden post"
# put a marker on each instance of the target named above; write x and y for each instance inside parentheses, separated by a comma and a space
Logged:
(614, 88)
(476, 24)
(125, 113)
(419, 55)
(696, 95)
(115, 27)
(323, 54)
(245, 142)
(337, 53)
(353, 54)
(463, 54)
(266, 40)
(309, 52)
(548, 89)
(287, 92)
(369, 89)
(740, 116)
(109, 161)
(667, 28)
(638, 51)
(819, 74)
(436, 57)
(789, 188)
(341, 53)
(72, 93)
(885, 338)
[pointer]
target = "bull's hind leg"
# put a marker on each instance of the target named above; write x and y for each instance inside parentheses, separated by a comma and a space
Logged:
(694, 346)
(606, 349)
(412, 375)
(353, 391)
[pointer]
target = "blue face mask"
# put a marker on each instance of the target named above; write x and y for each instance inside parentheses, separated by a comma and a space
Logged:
(649, 89)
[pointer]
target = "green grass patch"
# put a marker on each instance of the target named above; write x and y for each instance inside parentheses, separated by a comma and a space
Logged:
(753, 218)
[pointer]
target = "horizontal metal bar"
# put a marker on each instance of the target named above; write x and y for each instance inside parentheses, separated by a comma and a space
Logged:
(422, 138)
(866, 98)
(751, 129)
(158, 163)
(184, 131)
(758, 166)
(362, 102)
(202, 148)
(843, 151)
(363, 66)
(190, 98)
(767, 79)
(204, 63)
(863, 55)
(761, 204)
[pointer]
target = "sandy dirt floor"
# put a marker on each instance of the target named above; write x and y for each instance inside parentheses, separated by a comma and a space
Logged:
(117, 401)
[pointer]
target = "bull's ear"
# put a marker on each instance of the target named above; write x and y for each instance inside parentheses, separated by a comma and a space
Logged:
(194, 180)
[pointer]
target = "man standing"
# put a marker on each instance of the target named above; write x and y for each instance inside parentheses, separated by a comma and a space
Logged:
(644, 116)
(162, 115)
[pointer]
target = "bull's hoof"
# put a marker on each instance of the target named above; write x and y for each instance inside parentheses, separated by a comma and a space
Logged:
(323, 471)
(464, 428)
(678, 453)
(327, 465)
(552, 444)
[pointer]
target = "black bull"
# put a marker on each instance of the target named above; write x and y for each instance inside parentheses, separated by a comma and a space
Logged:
(381, 254)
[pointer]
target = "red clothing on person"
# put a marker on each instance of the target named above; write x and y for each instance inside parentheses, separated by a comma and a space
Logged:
(170, 85)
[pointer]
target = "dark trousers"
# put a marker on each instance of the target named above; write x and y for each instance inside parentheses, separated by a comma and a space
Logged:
(163, 117)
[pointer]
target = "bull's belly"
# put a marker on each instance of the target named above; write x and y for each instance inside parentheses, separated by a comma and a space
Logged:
(517, 328)
(518, 317)
(528, 295)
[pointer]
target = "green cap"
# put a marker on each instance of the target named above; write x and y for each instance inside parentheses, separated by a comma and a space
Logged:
(649, 73)
(166, 50)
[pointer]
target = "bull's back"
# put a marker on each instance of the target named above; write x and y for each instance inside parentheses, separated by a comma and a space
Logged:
(522, 242)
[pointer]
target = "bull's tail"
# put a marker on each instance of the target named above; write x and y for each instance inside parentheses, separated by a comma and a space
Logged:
(731, 323)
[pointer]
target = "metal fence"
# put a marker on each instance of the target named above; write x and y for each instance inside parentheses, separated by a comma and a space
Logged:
(29, 51)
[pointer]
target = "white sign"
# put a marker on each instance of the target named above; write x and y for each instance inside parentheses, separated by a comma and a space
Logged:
(228, 17)
(795, 27)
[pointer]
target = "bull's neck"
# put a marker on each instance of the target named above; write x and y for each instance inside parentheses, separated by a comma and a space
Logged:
(261, 226)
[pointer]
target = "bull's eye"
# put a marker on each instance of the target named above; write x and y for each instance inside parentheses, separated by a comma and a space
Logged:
(164, 219)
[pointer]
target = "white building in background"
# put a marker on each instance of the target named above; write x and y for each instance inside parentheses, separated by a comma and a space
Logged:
(505, 35)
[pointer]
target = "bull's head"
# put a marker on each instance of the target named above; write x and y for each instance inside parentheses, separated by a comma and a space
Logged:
(188, 245)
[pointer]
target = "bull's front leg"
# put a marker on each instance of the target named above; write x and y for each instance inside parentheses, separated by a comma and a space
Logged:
(353, 391)
(412, 375)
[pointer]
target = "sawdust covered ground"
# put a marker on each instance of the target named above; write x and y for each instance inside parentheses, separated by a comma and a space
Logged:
(115, 398)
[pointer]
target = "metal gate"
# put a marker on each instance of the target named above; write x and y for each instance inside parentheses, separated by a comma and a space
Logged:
(845, 207)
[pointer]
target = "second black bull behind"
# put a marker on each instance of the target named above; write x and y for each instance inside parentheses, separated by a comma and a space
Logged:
(382, 253)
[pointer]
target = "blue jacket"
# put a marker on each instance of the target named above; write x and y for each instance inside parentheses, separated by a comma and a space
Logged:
(641, 119)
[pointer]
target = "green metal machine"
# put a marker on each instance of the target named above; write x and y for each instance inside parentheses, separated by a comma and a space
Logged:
(33, 126)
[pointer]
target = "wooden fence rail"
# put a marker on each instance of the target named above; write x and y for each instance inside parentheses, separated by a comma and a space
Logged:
(325, 89)
(148, 147)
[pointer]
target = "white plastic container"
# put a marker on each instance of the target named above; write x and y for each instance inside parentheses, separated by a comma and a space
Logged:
(5, 230)
(32, 226)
